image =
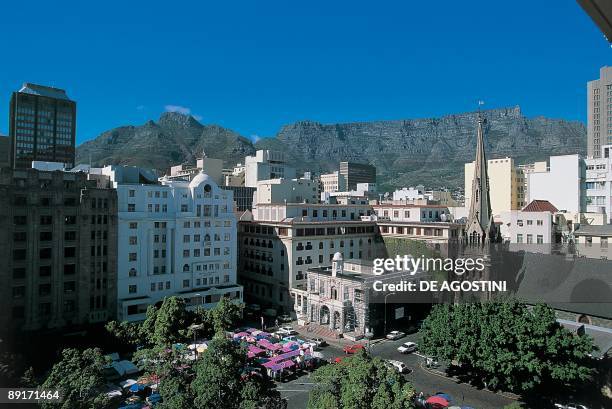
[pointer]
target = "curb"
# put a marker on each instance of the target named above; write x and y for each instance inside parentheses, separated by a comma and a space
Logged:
(441, 374)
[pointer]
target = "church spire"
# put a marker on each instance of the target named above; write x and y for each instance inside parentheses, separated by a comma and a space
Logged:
(480, 225)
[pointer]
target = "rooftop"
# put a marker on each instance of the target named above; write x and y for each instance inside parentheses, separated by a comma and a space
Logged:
(591, 230)
(540, 206)
(44, 91)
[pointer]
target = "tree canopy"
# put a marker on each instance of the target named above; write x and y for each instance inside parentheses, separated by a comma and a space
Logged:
(507, 345)
(79, 376)
(360, 382)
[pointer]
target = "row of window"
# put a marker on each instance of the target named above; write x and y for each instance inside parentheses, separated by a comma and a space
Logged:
(539, 239)
(46, 270)
(43, 289)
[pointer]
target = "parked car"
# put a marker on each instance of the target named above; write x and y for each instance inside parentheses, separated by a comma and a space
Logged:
(407, 347)
(395, 335)
(398, 366)
(570, 406)
(353, 349)
(286, 331)
(308, 344)
(285, 318)
(319, 341)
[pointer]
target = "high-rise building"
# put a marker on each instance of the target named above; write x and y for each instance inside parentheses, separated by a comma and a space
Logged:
(599, 112)
(175, 238)
(42, 126)
(58, 246)
(354, 173)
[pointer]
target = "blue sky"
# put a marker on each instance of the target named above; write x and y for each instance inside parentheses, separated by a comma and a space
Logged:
(255, 65)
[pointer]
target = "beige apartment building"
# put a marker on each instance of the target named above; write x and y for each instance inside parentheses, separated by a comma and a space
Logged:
(506, 185)
(599, 112)
(333, 182)
(278, 243)
(287, 190)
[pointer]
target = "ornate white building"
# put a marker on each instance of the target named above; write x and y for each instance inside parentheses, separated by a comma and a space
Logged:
(175, 238)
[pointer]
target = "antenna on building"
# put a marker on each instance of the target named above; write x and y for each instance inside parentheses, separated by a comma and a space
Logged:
(480, 103)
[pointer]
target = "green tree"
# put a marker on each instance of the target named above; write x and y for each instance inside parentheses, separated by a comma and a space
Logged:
(171, 322)
(507, 345)
(225, 314)
(219, 378)
(360, 382)
(79, 377)
(126, 332)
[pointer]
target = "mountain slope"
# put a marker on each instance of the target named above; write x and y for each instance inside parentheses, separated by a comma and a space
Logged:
(406, 152)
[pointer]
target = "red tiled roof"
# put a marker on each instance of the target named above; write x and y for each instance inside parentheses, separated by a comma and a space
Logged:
(540, 206)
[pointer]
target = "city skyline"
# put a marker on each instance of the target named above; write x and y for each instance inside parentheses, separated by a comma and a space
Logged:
(334, 71)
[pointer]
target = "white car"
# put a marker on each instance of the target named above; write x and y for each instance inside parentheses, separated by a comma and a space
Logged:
(570, 406)
(395, 335)
(286, 331)
(399, 366)
(407, 347)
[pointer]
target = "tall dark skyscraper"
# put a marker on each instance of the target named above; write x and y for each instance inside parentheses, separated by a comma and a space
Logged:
(357, 173)
(42, 126)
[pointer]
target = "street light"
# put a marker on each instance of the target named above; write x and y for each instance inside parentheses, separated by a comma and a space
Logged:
(385, 332)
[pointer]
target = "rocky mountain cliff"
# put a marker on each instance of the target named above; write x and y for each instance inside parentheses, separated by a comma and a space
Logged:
(406, 152)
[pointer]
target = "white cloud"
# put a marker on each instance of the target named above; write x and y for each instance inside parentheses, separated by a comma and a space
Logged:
(178, 108)
(255, 138)
(182, 110)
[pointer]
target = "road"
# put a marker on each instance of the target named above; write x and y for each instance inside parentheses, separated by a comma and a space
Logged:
(296, 390)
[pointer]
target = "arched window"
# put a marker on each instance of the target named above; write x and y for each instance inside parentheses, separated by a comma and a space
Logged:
(207, 237)
(186, 268)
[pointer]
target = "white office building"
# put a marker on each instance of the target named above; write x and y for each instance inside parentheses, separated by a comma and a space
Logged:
(175, 238)
(264, 165)
(599, 183)
(562, 183)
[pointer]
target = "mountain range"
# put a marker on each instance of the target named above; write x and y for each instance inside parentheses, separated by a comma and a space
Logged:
(429, 151)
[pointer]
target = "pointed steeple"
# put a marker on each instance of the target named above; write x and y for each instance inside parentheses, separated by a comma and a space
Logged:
(480, 225)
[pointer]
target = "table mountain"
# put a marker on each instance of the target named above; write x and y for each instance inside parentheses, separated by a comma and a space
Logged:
(406, 152)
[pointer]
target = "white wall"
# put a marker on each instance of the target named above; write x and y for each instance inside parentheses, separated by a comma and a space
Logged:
(562, 185)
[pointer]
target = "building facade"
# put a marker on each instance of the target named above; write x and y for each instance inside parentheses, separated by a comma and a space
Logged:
(506, 185)
(354, 173)
(279, 243)
(599, 112)
(264, 165)
(598, 185)
(58, 240)
(175, 238)
(567, 171)
(42, 126)
(243, 196)
(287, 191)
(333, 182)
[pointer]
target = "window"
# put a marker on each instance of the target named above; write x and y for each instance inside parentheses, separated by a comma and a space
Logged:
(46, 220)
(132, 289)
(604, 242)
(540, 239)
(69, 269)
(530, 239)
(132, 272)
(69, 251)
(20, 220)
(131, 207)
(133, 240)
(69, 235)
(132, 257)
(186, 253)
(69, 286)
(133, 225)
(185, 283)
(132, 193)
(529, 222)
(519, 238)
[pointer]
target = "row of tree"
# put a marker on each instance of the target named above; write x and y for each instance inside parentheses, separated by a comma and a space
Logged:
(507, 345)
(217, 377)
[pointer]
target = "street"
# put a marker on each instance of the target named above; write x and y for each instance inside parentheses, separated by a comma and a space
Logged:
(296, 390)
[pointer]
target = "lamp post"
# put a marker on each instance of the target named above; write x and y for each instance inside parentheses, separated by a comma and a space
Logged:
(194, 328)
(385, 332)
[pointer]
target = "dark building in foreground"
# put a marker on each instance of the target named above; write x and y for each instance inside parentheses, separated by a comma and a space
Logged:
(42, 126)
(58, 235)
(357, 173)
